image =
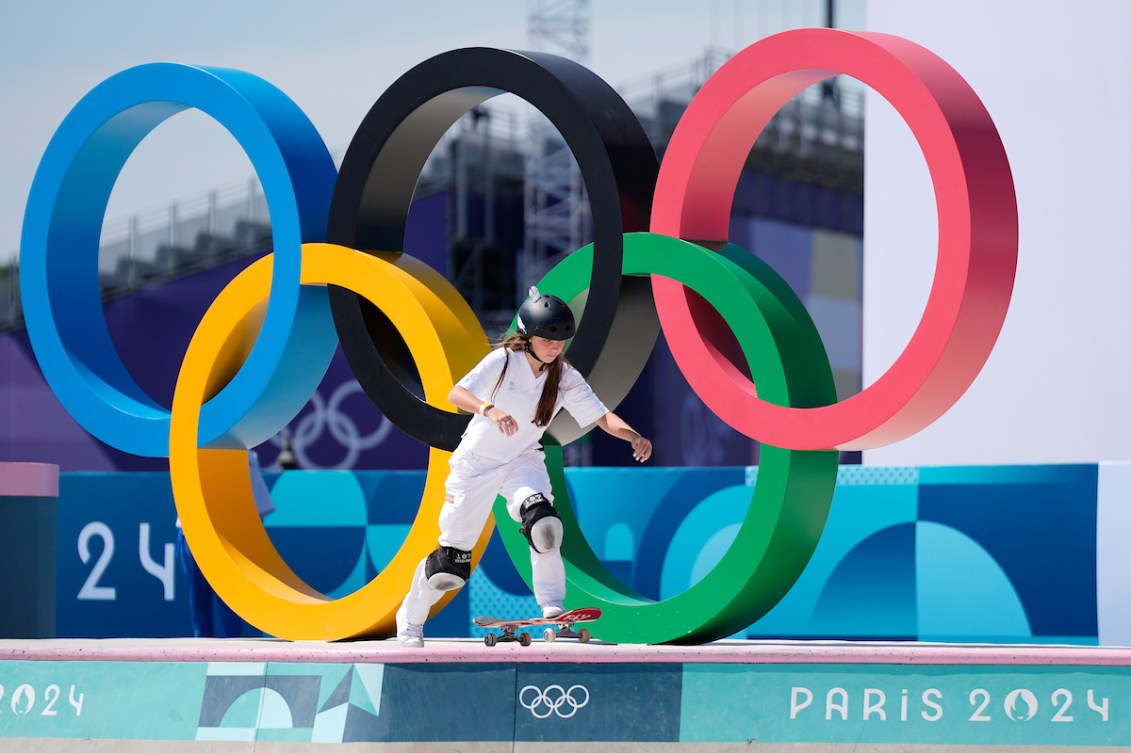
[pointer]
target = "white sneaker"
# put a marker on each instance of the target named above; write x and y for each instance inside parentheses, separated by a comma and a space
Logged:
(409, 635)
(412, 636)
(550, 611)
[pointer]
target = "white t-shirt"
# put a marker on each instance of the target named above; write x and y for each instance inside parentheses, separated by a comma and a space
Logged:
(518, 395)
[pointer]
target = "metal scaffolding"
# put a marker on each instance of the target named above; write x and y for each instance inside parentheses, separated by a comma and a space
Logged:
(557, 217)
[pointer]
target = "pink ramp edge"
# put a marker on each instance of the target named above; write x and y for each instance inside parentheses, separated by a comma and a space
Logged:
(29, 480)
(977, 222)
(472, 651)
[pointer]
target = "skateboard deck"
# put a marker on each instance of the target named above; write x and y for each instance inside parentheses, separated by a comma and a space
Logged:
(560, 626)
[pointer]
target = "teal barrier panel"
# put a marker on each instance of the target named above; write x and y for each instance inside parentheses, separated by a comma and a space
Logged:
(28, 497)
(950, 554)
(875, 704)
(711, 705)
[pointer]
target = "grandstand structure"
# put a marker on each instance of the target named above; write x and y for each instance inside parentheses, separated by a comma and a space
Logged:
(498, 203)
(515, 203)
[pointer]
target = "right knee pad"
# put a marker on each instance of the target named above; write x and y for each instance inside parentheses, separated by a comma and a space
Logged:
(540, 524)
(447, 568)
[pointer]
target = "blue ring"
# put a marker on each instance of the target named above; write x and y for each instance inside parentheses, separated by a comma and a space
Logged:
(62, 227)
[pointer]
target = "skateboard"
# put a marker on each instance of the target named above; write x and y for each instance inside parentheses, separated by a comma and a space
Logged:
(557, 627)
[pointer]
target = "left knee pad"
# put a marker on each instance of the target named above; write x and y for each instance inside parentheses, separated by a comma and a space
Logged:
(540, 524)
(447, 568)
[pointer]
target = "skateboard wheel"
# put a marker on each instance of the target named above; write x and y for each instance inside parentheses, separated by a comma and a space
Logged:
(490, 639)
(525, 639)
(583, 635)
(549, 635)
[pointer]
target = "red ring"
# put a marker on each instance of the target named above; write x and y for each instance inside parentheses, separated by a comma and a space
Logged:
(977, 217)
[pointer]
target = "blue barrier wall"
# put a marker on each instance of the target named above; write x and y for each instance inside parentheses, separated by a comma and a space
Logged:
(1001, 554)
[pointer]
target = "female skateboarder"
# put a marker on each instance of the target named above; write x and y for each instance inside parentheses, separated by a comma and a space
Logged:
(515, 391)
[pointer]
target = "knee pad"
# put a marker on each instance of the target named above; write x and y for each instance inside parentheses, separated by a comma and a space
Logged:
(447, 568)
(540, 524)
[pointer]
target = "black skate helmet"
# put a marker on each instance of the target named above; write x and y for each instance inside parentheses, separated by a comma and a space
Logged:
(545, 316)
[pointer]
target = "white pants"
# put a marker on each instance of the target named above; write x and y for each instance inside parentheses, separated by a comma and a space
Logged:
(472, 486)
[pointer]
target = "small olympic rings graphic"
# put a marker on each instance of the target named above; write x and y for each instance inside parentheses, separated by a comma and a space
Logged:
(553, 700)
(660, 256)
(327, 416)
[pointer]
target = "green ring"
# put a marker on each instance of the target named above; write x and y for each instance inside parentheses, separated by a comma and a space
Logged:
(794, 490)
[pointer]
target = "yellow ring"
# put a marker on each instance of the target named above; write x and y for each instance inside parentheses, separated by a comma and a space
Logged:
(212, 488)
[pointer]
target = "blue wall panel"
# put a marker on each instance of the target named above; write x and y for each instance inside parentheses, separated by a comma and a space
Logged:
(986, 554)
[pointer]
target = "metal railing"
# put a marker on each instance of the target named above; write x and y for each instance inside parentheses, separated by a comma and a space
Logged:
(152, 247)
(819, 135)
(678, 84)
(190, 235)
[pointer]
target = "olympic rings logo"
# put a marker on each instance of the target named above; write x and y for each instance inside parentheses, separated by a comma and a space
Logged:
(553, 698)
(325, 417)
(338, 273)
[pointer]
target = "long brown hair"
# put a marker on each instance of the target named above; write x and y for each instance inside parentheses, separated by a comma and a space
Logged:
(545, 410)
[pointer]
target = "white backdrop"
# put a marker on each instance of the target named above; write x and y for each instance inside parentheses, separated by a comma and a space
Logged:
(1056, 79)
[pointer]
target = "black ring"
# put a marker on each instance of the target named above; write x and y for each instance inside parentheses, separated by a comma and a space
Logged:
(383, 164)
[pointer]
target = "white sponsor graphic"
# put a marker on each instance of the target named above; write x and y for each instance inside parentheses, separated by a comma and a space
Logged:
(929, 704)
(553, 700)
(26, 700)
(93, 590)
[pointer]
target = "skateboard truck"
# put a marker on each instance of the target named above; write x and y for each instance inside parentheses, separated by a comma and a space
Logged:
(507, 635)
(565, 630)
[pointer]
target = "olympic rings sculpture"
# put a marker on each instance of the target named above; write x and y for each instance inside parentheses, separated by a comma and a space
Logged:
(338, 272)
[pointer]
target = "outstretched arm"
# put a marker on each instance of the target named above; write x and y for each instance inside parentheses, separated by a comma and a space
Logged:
(615, 425)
